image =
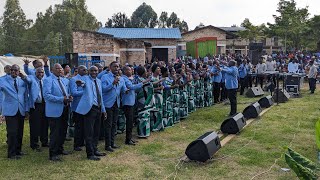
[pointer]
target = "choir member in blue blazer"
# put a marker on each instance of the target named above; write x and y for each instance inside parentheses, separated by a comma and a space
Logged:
(231, 83)
(38, 123)
(7, 70)
(76, 90)
(128, 100)
(15, 96)
(57, 100)
(36, 63)
(91, 107)
(112, 86)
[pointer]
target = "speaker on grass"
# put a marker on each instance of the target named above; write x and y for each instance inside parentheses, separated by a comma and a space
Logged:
(234, 124)
(266, 102)
(254, 92)
(283, 96)
(204, 147)
(252, 111)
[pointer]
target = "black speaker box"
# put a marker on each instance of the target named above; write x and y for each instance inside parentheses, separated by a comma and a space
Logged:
(252, 111)
(266, 102)
(204, 147)
(283, 96)
(255, 92)
(234, 124)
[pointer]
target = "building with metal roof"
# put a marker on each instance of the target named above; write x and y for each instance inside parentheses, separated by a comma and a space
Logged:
(142, 33)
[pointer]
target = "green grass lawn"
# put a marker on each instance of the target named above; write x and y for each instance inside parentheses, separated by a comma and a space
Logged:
(251, 153)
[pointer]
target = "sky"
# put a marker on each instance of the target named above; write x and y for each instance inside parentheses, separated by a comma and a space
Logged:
(210, 12)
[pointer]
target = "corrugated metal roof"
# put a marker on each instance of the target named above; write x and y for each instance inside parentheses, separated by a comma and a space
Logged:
(233, 29)
(142, 33)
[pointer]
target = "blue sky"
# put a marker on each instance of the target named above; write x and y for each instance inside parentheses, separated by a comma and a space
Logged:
(209, 12)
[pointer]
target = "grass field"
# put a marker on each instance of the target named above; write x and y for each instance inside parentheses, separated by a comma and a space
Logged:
(258, 149)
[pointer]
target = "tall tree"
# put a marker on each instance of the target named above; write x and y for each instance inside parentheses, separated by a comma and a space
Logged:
(144, 17)
(290, 24)
(109, 23)
(14, 25)
(162, 22)
(252, 32)
(312, 34)
(173, 20)
(119, 20)
(184, 27)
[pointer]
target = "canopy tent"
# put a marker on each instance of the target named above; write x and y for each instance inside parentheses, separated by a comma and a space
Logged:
(10, 60)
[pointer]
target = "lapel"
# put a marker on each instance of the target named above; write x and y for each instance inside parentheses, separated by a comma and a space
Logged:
(10, 82)
(55, 80)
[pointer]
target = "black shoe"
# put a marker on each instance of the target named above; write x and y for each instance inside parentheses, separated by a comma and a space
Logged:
(115, 146)
(55, 159)
(45, 145)
(109, 149)
(21, 153)
(64, 153)
(15, 157)
(77, 149)
(99, 154)
(94, 158)
(130, 143)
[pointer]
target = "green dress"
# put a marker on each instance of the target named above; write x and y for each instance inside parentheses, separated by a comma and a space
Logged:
(167, 103)
(208, 92)
(144, 104)
(157, 112)
(191, 97)
(183, 100)
(176, 105)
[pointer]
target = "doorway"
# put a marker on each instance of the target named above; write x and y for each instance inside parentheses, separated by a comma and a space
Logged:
(160, 54)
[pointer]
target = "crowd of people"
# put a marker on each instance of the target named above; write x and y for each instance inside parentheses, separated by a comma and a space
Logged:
(100, 102)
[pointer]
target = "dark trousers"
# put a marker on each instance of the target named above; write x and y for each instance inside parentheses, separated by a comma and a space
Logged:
(216, 91)
(78, 130)
(232, 95)
(243, 84)
(14, 126)
(39, 125)
(92, 129)
(223, 93)
(249, 81)
(129, 113)
(273, 78)
(102, 131)
(312, 84)
(58, 131)
(111, 124)
(259, 79)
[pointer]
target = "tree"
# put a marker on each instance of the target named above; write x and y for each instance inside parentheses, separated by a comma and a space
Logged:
(291, 24)
(199, 26)
(14, 25)
(144, 17)
(163, 20)
(119, 20)
(173, 21)
(312, 34)
(109, 23)
(252, 32)
(52, 45)
(184, 27)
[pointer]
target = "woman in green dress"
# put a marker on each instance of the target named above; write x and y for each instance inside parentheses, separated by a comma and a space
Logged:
(175, 96)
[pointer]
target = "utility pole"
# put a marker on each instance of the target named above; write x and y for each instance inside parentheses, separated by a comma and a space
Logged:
(60, 42)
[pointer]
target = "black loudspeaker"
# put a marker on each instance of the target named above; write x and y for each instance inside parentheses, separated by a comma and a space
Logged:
(255, 92)
(283, 96)
(234, 124)
(252, 111)
(266, 102)
(204, 147)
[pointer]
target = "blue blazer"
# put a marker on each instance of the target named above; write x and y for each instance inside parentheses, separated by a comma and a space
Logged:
(111, 93)
(129, 99)
(2, 78)
(34, 90)
(14, 101)
(53, 95)
(86, 100)
(76, 91)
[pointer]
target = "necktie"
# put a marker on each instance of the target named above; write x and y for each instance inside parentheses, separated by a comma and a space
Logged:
(98, 92)
(61, 87)
(42, 100)
(15, 85)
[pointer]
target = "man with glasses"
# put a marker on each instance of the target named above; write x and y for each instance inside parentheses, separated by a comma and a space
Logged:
(14, 91)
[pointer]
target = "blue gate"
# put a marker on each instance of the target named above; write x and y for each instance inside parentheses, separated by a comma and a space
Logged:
(83, 60)
(57, 59)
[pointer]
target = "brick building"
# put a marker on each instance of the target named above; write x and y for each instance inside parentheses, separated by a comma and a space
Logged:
(127, 45)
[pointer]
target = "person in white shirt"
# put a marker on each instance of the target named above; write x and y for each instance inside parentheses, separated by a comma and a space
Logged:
(271, 66)
(312, 76)
(293, 67)
(260, 70)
